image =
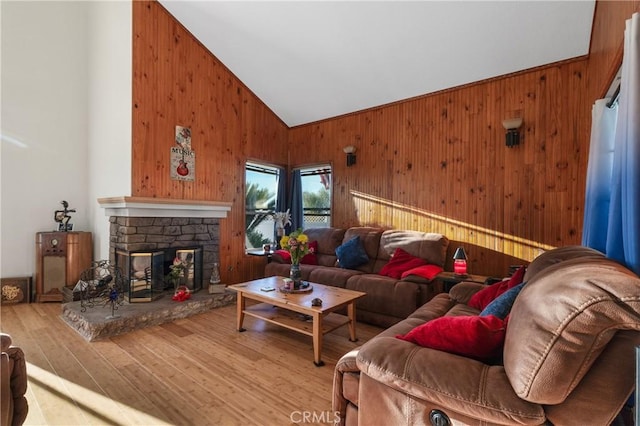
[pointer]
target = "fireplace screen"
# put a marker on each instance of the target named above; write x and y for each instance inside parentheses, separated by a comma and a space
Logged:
(192, 260)
(144, 275)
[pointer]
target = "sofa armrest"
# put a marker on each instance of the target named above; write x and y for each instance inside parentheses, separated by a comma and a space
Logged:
(346, 365)
(13, 384)
(463, 291)
(5, 341)
(6, 407)
(475, 390)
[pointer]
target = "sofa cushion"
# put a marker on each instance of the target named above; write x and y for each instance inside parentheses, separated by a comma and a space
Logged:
(330, 275)
(386, 296)
(501, 305)
(481, 299)
(328, 240)
(431, 247)
(475, 337)
(351, 254)
(370, 239)
(400, 262)
(422, 274)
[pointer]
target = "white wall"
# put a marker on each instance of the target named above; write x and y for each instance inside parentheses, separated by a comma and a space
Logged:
(66, 120)
(44, 124)
(110, 109)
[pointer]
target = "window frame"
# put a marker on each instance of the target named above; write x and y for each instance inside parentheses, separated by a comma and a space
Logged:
(313, 170)
(267, 169)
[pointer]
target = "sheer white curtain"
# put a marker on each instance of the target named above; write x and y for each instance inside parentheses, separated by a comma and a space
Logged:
(617, 232)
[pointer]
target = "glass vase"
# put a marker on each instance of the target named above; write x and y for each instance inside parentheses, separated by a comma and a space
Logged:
(296, 276)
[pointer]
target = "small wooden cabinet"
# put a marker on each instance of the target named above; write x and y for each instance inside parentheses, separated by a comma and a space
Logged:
(60, 259)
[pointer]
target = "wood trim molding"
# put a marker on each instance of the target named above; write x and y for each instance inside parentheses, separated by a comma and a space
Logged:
(126, 206)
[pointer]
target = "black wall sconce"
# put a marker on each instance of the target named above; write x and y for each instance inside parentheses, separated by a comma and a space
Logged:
(351, 155)
(512, 126)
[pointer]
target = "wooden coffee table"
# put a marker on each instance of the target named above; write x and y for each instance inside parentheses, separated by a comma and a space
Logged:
(279, 308)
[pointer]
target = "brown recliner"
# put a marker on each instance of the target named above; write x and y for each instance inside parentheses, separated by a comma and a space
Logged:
(568, 357)
(13, 383)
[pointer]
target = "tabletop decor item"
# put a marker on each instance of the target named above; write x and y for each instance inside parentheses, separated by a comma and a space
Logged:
(62, 217)
(288, 286)
(281, 220)
(297, 244)
(214, 282)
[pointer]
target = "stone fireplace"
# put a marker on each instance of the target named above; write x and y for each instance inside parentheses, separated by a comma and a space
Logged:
(140, 224)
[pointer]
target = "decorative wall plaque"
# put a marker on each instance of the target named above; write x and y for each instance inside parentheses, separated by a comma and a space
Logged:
(183, 158)
(16, 290)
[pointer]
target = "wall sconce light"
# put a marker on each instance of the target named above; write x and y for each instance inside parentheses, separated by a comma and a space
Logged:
(351, 155)
(460, 262)
(512, 125)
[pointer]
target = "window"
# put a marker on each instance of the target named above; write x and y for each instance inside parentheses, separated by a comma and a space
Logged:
(261, 196)
(316, 196)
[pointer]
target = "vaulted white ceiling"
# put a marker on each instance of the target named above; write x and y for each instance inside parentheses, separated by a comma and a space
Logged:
(311, 60)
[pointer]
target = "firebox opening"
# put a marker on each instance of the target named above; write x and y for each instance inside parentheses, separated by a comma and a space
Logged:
(148, 273)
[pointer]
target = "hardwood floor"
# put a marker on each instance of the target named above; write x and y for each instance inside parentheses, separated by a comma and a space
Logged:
(193, 371)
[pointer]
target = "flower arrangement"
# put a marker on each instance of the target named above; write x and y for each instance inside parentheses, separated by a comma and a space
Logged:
(177, 271)
(297, 244)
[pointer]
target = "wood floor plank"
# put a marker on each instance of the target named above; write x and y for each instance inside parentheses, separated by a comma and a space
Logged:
(192, 371)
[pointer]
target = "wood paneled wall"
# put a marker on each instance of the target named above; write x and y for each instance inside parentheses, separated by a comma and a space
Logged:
(435, 163)
(439, 163)
(176, 81)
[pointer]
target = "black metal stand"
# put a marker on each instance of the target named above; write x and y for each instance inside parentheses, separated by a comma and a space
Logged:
(101, 284)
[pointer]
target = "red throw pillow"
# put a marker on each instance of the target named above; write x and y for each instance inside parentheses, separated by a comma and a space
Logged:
(481, 338)
(400, 262)
(481, 299)
(284, 254)
(311, 258)
(307, 259)
(425, 271)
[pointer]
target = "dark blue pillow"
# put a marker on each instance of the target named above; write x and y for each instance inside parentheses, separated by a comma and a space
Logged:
(501, 305)
(351, 254)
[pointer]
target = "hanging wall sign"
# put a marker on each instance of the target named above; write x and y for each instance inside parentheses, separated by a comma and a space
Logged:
(183, 158)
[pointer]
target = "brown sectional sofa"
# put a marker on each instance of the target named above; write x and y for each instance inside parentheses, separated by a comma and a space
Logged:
(568, 355)
(13, 384)
(388, 300)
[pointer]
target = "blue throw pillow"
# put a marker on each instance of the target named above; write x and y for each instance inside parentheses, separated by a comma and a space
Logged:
(351, 254)
(501, 305)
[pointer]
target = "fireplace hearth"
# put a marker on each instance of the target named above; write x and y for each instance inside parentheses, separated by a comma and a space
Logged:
(96, 323)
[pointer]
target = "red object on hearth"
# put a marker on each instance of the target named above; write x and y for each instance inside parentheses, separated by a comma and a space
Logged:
(181, 294)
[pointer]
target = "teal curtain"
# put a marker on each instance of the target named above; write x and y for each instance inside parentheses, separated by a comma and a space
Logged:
(295, 201)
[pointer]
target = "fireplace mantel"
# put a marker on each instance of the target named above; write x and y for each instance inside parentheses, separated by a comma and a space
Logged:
(163, 207)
